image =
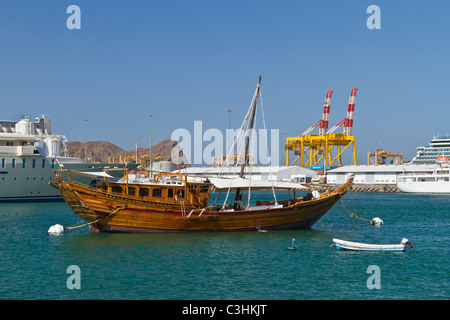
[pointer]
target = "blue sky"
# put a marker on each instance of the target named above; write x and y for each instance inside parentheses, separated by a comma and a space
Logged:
(191, 60)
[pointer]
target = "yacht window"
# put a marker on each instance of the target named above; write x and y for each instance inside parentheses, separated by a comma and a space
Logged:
(131, 191)
(23, 163)
(34, 163)
(3, 162)
(170, 193)
(13, 163)
(43, 163)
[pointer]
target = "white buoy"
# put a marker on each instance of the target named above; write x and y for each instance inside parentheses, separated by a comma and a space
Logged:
(56, 229)
(376, 221)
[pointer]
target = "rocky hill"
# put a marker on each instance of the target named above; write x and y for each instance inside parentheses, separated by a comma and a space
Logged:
(105, 151)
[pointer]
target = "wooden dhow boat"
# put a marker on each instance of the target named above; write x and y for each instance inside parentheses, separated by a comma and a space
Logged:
(173, 203)
(177, 202)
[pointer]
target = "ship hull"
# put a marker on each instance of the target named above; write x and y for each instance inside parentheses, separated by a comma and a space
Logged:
(424, 187)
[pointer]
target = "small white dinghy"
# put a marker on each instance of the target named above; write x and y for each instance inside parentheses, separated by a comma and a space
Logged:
(356, 246)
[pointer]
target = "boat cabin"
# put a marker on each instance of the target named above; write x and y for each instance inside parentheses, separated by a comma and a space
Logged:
(166, 188)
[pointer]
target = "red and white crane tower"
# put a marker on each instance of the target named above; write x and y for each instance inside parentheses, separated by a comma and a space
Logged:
(323, 123)
(347, 122)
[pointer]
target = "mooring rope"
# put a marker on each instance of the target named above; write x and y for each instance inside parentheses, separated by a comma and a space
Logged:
(75, 226)
(352, 214)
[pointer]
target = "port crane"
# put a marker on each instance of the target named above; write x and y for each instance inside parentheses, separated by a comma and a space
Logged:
(311, 149)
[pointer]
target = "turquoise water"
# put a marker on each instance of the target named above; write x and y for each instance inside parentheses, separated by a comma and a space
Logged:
(231, 265)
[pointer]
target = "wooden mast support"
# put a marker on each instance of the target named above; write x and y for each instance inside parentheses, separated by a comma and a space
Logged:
(237, 197)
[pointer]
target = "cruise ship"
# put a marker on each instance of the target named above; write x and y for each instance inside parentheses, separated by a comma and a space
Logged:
(29, 152)
(438, 146)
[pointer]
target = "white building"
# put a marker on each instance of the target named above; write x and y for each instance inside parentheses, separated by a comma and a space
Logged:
(375, 174)
(261, 173)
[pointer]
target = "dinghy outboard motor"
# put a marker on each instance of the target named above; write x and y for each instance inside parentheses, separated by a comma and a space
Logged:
(407, 243)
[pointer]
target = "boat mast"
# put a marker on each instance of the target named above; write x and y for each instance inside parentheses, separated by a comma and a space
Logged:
(237, 197)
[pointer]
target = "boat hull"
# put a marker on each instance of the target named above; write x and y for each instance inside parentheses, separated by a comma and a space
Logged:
(207, 223)
(356, 246)
(142, 220)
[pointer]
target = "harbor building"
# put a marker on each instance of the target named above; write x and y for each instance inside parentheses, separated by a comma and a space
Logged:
(259, 173)
(375, 174)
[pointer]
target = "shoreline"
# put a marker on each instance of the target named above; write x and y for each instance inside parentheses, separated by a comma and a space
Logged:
(392, 188)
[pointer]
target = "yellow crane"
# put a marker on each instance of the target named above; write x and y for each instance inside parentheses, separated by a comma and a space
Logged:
(311, 149)
(379, 157)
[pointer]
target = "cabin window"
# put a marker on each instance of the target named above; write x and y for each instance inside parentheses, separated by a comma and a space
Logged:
(23, 163)
(157, 192)
(53, 163)
(143, 192)
(3, 162)
(131, 191)
(170, 193)
(117, 189)
(43, 163)
(13, 163)
(34, 163)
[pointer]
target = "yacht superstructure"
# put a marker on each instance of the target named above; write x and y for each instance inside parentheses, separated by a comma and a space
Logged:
(439, 145)
(29, 153)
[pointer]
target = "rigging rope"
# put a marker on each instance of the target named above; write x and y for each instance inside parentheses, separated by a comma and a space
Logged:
(267, 148)
(237, 141)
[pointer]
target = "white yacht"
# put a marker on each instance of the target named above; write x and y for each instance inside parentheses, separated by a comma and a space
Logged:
(28, 154)
(437, 181)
